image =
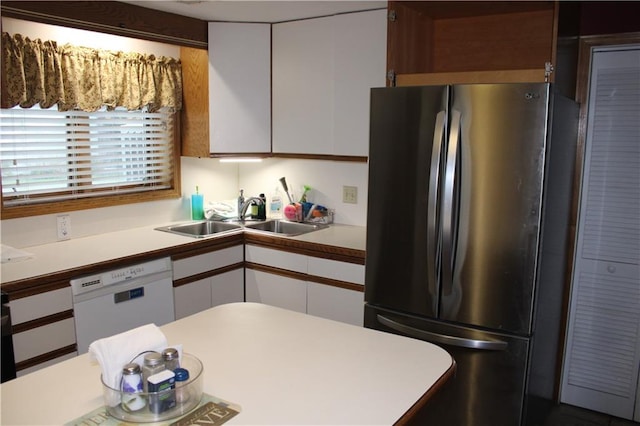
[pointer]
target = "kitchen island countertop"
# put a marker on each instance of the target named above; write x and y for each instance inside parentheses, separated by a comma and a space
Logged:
(281, 367)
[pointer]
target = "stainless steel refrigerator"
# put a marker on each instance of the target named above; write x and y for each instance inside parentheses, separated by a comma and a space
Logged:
(467, 226)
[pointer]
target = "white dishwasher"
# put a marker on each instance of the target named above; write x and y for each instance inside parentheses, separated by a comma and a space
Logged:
(114, 301)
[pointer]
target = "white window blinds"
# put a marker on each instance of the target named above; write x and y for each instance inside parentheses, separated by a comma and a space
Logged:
(47, 155)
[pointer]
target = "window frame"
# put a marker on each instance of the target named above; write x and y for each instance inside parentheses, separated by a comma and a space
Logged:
(36, 209)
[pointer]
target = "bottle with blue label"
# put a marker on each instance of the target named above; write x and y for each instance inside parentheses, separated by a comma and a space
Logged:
(275, 205)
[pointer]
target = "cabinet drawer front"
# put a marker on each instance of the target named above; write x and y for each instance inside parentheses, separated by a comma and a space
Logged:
(47, 338)
(206, 262)
(41, 305)
(276, 258)
(342, 271)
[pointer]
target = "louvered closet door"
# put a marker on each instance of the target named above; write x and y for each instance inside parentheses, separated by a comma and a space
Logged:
(603, 343)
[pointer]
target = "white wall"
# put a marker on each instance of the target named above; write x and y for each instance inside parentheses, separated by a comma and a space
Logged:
(326, 179)
(216, 181)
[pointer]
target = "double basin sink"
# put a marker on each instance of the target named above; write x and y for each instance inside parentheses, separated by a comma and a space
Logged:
(208, 228)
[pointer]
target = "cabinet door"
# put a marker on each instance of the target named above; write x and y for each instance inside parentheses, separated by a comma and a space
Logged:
(303, 86)
(602, 356)
(227, 287)
(335, 303)
(323, 70)
(240, 87)
(276, 290)
(360, 56)
(192, 298)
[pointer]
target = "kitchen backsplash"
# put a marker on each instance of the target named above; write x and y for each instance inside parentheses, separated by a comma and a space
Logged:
(216, 181)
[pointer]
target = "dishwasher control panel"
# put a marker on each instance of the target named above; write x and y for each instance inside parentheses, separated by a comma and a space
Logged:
(115, 276)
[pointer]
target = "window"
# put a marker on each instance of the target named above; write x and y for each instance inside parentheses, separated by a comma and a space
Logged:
(49, 156)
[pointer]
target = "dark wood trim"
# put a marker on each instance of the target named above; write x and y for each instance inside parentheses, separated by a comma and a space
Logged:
(204, 250)
(340, 254)
(40, 359)
(276, 271)
(203, 275)
(194, 122)
(40, 322)
(346, 158)
(304, 277)
(113, 17)
(407, 418)
(32, 291)
(296, 156)
(335, 283)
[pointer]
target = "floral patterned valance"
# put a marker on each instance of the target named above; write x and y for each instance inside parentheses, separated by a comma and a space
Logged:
(80, 78)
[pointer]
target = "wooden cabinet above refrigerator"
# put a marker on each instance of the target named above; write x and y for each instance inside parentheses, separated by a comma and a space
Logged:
(471, 41)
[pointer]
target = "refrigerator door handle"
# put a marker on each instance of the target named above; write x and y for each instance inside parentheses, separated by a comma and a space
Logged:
(448, 231)
(433, 233)
(489, 345)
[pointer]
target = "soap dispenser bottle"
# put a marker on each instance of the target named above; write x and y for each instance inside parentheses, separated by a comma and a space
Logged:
(275, 204)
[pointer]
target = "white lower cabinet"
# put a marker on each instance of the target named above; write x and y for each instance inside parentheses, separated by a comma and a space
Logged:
(215, 288)
(227, 287)
(192, 298)
(335, 303)
(44, 330)
(276, 290)
(44, 339)
(208, 292)
(303, 294)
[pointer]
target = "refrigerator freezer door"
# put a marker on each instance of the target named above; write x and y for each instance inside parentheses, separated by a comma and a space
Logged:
(494, 237)
(490, 375)
(408, 128)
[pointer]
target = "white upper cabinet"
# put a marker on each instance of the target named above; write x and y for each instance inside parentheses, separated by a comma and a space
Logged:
(360, 64)
(322, 70)
(239, 87)
(303, 86)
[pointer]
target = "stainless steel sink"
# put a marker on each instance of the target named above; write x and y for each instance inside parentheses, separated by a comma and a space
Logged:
(201, 229)
(283, 227)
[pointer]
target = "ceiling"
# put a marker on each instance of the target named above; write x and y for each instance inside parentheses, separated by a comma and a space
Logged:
(257, 10)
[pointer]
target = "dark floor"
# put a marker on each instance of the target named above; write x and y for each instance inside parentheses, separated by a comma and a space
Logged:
(568, 415)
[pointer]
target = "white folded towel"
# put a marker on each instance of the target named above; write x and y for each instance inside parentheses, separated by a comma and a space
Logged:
(112, 353)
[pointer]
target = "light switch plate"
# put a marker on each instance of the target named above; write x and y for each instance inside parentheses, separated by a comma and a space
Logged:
(350, 194)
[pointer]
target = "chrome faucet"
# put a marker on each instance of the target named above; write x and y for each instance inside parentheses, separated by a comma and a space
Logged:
(245, 206)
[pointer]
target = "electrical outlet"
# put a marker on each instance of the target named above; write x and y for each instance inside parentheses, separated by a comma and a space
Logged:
(64, 227)
(350, 194)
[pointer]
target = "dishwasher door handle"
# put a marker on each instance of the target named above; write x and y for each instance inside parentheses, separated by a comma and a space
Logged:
(489, 345)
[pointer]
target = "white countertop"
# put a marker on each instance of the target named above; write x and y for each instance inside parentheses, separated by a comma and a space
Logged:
(280, 366)
(78, 252)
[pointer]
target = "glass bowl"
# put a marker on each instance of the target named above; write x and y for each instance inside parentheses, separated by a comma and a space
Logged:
(157, 406)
